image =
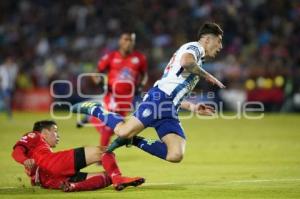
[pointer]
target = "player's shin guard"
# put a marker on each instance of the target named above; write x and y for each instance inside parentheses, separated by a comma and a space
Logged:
(154, 147)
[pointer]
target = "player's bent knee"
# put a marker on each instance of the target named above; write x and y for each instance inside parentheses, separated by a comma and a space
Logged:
(123, 133)
(174, 157)
(93, 154)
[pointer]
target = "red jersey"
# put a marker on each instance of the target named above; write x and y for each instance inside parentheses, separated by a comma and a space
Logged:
(36, 147)
(52, 168)
(123, 69)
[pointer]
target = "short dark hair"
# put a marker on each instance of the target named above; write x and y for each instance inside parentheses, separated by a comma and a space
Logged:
(127, 32)
(43, 124)
(210, 28)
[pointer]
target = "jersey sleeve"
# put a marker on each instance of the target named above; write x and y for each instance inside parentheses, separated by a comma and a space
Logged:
(194, 50)
(103, 63)
(28, 141)
(19, 154)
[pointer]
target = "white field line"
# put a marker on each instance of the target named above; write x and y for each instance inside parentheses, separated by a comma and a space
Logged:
(8, 187)
(224, 182)
(205, 182)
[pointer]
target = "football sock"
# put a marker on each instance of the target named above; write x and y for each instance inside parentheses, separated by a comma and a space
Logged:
(154, 147)
(95, 182)
(108, 118)
(110, 165)
(105, 136)
(118, 142)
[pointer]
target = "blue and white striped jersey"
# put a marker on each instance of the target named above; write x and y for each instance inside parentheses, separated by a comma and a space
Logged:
(176, 81)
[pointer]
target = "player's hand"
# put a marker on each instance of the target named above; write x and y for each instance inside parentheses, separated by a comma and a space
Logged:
(29, 164)
(203, 109)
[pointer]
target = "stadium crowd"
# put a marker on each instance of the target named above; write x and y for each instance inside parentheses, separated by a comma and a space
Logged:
(53, 40)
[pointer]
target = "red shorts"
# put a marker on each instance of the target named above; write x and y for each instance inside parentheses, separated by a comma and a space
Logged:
(54, 168)
(59, 163)
(63, 163)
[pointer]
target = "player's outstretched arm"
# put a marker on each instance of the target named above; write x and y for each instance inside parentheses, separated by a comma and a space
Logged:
(200, 108)
(188, 62)
(211, 78)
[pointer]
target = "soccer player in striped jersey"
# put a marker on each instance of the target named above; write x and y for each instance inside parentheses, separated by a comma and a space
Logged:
(160, 105)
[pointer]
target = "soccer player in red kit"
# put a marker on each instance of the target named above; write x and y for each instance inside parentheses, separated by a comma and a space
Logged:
(61, 170)
(126, 70)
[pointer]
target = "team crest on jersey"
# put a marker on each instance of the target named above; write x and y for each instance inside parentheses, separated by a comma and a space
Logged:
(135, 60)
(117, 61)
(146, 113)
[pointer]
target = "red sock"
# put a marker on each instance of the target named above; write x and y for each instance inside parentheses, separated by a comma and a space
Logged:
(96, 123)
(110, 165)
(105, 136)
(104, 131)
(93, 183)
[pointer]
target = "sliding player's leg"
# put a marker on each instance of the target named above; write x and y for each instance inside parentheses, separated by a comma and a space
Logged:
(112, 175)
(86, 181)
(119, 182)
(109, 163)
(70, 162)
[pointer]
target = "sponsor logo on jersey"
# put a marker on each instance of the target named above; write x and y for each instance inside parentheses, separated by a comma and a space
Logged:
(135, 60)
(117, 60)
(146, 113)
(126, 74)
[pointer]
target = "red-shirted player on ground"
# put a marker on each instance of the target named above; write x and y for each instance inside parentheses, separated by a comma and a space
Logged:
(61, 170)
(126, 71)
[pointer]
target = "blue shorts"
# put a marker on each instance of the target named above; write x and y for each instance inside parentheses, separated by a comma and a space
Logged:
(157, 110)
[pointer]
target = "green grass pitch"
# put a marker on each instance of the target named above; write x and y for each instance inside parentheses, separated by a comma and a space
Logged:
(224, 159)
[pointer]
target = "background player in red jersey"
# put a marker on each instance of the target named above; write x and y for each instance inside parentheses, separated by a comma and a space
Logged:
(61, 169)
(126, 70)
